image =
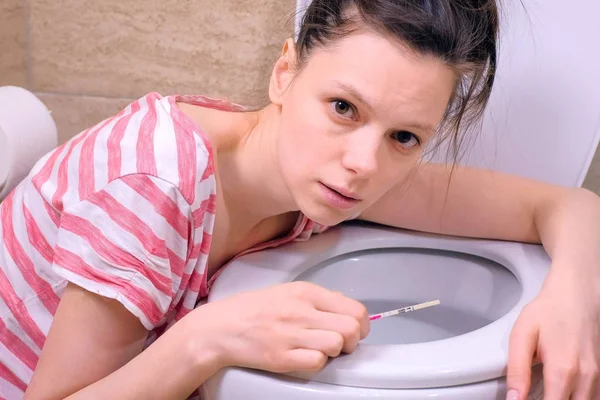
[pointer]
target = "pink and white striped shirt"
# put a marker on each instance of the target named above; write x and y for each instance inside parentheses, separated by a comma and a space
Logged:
(125, 209)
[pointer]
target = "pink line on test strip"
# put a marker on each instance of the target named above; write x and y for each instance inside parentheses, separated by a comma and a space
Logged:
(403, 310)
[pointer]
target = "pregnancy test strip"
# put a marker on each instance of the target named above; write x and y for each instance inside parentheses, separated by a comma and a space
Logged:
(403, 310)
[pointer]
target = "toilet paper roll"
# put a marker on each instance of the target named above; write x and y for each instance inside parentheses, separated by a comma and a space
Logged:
(27, 132)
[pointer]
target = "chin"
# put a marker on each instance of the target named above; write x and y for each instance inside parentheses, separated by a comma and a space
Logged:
(324, 215)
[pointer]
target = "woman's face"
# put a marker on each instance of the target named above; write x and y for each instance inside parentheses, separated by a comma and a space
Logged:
(354, 121)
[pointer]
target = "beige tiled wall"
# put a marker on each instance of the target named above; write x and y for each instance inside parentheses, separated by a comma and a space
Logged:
(13, 43)
(87, 59)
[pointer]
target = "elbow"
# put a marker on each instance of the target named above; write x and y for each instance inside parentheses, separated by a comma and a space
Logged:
(580, 198)
(559, 198)
(588, 195)
(564, 204)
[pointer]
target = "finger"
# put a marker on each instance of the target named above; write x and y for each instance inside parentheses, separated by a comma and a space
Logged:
(302, 360)
(559, 380)
(587, 383)
(348, 327)
(522, 346)
(327, 342)
(337, 303)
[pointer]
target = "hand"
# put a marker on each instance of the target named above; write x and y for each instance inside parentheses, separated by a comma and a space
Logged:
(561, 329)
(289, 327)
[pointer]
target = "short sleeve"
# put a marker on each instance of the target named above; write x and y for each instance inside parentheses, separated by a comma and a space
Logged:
(128, 241)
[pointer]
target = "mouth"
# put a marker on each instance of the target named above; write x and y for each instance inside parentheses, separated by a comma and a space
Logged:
(344, 193)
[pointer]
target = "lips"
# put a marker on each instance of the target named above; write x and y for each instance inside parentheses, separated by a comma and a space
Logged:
(344, 192)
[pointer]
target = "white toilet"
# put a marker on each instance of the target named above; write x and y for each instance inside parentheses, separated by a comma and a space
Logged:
(457, 350)
(543, 122)
(27, 132)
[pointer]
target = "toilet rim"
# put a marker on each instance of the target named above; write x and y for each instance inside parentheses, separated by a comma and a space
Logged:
(472, 357)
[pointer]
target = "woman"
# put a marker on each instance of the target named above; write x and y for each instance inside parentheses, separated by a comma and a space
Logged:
(114, 238)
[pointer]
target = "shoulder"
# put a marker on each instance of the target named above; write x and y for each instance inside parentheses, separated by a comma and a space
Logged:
(151, 136)
(160, 140)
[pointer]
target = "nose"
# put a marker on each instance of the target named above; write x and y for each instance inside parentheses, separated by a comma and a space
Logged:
(361, 153)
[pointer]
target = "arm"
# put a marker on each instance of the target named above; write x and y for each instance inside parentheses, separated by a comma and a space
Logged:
(559, 327)
(124, 251)
(93, 351)
(486, 204)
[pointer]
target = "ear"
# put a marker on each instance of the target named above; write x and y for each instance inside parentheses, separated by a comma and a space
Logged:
(283, 72)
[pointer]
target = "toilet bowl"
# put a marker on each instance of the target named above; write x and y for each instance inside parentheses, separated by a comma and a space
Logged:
(457, 350)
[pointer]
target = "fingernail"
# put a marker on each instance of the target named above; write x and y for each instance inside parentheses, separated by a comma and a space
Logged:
(512, 395)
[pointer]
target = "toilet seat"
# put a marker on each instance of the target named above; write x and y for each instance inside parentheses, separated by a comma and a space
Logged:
(472, 357)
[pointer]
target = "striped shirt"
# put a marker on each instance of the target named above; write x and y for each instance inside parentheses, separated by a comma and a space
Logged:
(126, 210)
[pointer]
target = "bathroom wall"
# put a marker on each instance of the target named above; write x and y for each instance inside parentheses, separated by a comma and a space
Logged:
(88, 59)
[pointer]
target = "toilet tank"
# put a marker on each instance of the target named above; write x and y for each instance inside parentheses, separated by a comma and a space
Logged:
(543, 119)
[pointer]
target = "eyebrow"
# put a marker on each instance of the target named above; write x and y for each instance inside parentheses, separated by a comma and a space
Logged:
(429, 129)
(355, 93)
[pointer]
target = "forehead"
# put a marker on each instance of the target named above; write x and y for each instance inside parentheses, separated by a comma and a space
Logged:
(388, 75)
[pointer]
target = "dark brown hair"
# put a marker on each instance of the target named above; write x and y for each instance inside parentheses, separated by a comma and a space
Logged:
(461, 33)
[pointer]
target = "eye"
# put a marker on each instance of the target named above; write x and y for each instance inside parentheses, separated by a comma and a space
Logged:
(343, 108)
(407, 139)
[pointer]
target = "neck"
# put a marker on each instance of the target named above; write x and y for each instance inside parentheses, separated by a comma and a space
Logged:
(252, 185)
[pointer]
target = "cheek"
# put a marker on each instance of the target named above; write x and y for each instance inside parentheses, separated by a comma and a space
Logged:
(303, 138)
